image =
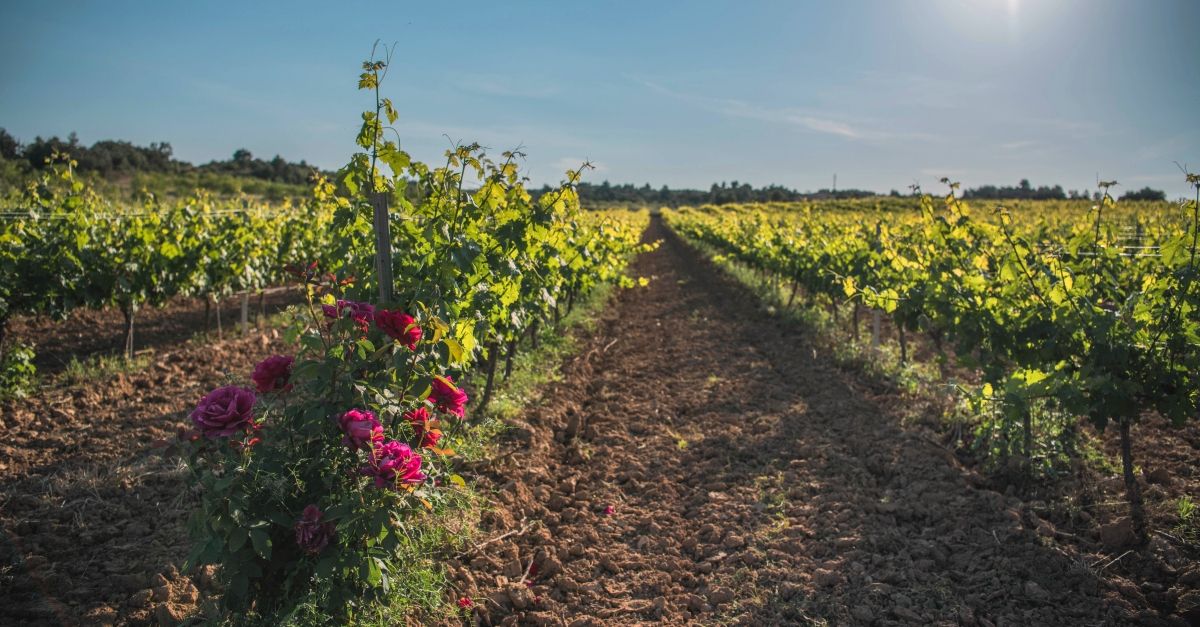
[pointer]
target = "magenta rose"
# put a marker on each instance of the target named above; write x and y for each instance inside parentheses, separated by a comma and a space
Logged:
(394, 463)
(361, 313)
(225, 411)
(312, 535)
(399, 326)
(448, 398)
(361, 427)
(272, 374)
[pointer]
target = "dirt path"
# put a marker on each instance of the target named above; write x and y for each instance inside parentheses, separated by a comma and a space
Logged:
(749, 483)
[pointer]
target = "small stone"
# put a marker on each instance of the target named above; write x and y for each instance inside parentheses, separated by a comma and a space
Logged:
(1033, 590)
(500, 598)
(520, 596)
(550, 566)
(733, 541)
(1117, 535)
(1159, 476)
(720, 595)
(513, 568)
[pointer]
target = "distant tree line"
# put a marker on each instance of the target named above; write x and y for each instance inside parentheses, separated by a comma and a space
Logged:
(736, 192)
(1145, 193)
(1025, 191)
(1021, 191)
(719, 193)
(111, 158)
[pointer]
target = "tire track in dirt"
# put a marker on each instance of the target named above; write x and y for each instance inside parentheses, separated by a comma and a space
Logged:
(748, 483)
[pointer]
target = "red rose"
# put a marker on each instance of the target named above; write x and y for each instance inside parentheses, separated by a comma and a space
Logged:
(312, 533)
(272, 374)
(399, 326)
(447, 397)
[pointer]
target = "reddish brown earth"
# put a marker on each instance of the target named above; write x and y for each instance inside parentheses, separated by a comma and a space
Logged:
(90, 331)
(93, 507)
(752, 482)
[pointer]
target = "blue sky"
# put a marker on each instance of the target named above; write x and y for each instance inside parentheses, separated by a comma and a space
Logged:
(683, 93)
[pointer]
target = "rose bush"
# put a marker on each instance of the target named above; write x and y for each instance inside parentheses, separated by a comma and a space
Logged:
(323, 492)
(313, 483)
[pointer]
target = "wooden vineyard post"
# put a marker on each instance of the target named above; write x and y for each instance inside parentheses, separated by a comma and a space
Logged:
(875, 329)
(245, 313)
(383, 247)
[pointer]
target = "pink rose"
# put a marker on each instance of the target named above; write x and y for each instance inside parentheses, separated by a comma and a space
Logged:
(399, 326)
(312, 535)
(272, 374)
(361, 427)
(448, 398)
(394, 463)
(225, 411)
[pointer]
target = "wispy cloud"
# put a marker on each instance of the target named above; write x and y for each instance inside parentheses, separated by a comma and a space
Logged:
(506, 87)
(1020, 144)
(807, 120)
(908, 90)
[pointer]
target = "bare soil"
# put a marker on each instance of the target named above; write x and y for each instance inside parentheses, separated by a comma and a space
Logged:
(88, 332)
(702, 463)
(93, 503)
